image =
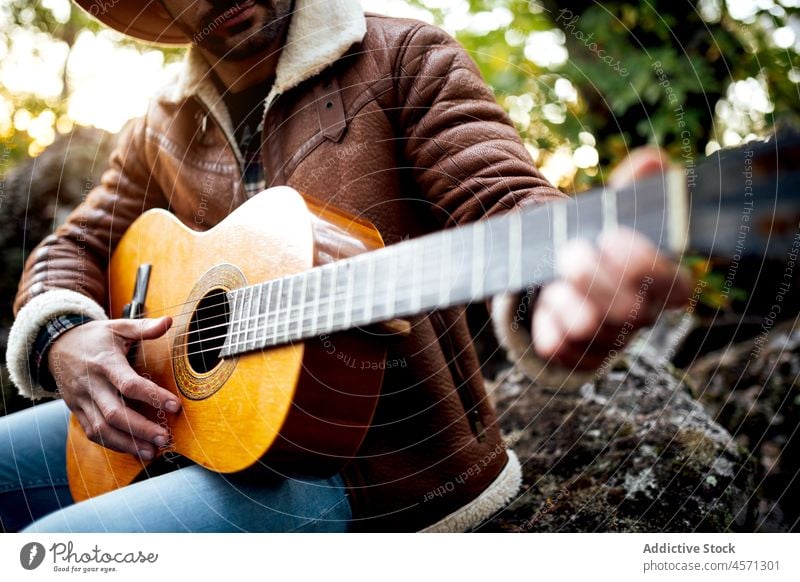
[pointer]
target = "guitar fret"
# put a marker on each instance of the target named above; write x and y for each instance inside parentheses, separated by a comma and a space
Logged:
(232, 323)
(416, 277)
(265, 309)
(259, 309)
(247, 304)
(559, 225)
(301, 306)
(515, 251)
(609, 209)
(273, 324)
(445, 283)
(252, 313)
(233, 299)
(315, 308)
(479, 259)
(239, 317)
(241, 340)
(332, 294)
(677, 210)
(391, 288)
(288, 312)
(368, 300)
(348, 298)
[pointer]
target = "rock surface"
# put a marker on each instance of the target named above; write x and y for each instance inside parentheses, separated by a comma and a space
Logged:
(632, 452)
(753, 390)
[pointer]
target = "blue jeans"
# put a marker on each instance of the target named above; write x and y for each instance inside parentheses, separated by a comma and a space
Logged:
(34, 493)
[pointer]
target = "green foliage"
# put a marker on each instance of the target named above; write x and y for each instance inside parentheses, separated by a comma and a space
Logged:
(32, 17)
(608, 94)
(634, 65)
(714, 293)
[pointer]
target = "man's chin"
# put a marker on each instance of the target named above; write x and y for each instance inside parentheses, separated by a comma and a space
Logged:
(243, 46)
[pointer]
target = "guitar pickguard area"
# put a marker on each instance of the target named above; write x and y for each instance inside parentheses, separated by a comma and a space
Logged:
(198, 370)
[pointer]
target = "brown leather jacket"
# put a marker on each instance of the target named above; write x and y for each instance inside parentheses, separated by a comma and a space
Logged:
(389, 120)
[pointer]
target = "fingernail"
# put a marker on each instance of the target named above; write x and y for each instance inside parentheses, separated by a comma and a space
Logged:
(145, 454)
(160, 441)
(545, 336)
(172, 406)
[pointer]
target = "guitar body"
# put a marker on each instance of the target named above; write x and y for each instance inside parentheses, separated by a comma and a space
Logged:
(302, 407)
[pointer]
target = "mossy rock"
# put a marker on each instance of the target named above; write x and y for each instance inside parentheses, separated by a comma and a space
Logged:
(633, 452)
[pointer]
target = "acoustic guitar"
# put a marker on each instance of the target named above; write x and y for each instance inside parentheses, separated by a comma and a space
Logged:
(268, 303)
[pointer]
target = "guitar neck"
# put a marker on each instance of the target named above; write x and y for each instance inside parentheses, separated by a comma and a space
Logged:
(456, 266)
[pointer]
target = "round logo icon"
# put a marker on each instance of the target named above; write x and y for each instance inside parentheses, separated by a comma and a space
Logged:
(31, 555)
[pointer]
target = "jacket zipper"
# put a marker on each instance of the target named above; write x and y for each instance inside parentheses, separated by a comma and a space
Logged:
(462, 386)
(204, 128)
(207, 115)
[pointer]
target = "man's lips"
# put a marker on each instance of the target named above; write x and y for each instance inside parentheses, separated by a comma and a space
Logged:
(234, 15)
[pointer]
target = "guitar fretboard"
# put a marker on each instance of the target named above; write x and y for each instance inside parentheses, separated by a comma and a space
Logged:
(456, 266)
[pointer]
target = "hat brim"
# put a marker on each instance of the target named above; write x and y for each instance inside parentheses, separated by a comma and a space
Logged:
(137, 19)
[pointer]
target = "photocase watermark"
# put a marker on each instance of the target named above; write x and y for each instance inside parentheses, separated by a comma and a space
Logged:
(31, 555)
(523, 311)
(66, 558)
(320, 171)
(569, 22)
(166, 450)
(80, 240)
(100, 7)
(680, 333)
(351, 361)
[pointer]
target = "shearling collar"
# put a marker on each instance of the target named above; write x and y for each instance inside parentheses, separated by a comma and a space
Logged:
(321, 31)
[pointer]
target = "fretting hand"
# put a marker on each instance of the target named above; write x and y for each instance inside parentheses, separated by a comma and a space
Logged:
(607, 290)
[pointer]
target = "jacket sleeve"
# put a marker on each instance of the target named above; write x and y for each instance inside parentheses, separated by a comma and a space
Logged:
(470, 162)
(65, 273)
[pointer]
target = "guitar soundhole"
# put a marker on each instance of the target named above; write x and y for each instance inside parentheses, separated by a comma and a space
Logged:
(206, 333)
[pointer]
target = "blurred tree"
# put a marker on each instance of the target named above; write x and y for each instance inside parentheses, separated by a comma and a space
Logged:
(591, 80)
(579, 79)
(38, 73)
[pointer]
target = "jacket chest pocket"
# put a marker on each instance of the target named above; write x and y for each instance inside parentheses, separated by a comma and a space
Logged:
(327, 108)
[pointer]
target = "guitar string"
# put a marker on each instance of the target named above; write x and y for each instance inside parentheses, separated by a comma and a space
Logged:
(427, 252)
(150, 313)
(289, 324)
(323, 301)
(526, 214)
(341, 291)
(307, 273)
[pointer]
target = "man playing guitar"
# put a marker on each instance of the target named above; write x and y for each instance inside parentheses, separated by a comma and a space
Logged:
(385, 118)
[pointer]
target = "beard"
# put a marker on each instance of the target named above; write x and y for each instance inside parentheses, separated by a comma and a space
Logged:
(246, 39)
